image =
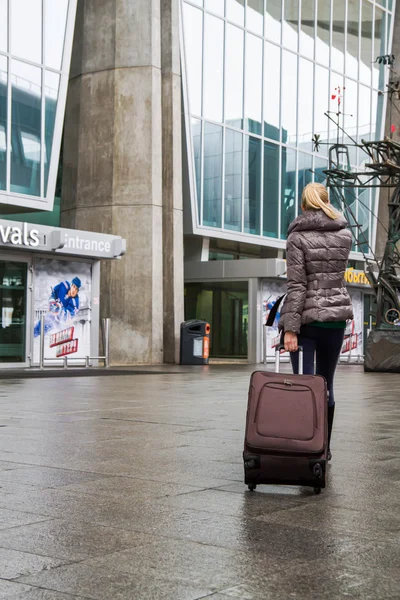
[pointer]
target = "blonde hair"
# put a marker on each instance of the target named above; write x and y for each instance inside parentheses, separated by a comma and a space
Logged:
(315, 197)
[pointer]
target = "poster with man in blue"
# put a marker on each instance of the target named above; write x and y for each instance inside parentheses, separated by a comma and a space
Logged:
(63, 305)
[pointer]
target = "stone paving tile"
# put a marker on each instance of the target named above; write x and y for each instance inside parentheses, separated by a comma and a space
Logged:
(10, 589)
(66, 540)
(40, 594)
(46, 477)
(193, 563)
(14, 518)
(316, 582)
(109, 585)
(14, 564)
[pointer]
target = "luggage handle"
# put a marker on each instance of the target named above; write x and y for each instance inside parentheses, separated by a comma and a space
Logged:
(278, 358)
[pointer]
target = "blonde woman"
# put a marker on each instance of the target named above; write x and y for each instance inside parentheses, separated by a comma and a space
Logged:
(317, 304)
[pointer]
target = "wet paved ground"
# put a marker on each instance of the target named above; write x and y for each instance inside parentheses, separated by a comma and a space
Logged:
(123, 488)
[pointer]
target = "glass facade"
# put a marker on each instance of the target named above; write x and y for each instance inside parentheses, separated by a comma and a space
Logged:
(261, 76)
(32, 48)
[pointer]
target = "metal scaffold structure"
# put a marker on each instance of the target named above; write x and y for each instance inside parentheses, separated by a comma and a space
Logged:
(381, 171)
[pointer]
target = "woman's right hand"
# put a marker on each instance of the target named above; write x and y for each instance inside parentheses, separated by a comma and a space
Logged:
(291, 342)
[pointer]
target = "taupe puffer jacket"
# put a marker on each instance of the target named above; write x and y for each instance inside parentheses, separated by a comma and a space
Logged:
(317, 252)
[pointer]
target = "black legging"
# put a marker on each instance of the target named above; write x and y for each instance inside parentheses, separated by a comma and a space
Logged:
(326, 343)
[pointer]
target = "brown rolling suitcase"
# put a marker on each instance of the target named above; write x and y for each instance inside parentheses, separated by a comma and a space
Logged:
(286, 440)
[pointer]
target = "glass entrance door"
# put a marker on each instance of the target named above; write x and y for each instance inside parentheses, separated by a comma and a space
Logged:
(13, 286)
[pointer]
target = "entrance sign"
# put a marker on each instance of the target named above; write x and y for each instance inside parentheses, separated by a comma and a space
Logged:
(42, 238)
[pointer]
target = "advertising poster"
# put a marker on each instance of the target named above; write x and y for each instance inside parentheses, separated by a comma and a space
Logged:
(63, 297)
(272, 290)
(353, 341)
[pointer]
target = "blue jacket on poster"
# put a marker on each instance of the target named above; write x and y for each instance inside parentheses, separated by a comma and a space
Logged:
(60, 293)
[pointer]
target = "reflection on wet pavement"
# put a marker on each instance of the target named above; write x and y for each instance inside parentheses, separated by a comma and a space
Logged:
(132, 487)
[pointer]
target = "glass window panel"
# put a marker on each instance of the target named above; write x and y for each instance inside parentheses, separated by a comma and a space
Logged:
(212, 184)
(366, 43)
(233, 180)
(350, 117)
(305, 104)
(377, 115)
(291, 25)
(288, 190)
(253, 90)
(255, 16)
(216, 6)
(305, 174)
(336, 104)
(55, 26)
(198, 2)
(321, 99)
(213, 68)
(26, 29)
(363, 218)
(323, 32)
(51, 87)
(26, 128)
(271, 190)
(252, 184)
(353, 26)
(3, 122)
(13, 281)
(234, 76)
(289, 97)
(272, 82)
(338, 35)
(193, 33)
(235, 11)
(320, 165)
(273, 20)
(3, 25)
(196, 136)
(364, 114)
(380, 39)
(307, 28)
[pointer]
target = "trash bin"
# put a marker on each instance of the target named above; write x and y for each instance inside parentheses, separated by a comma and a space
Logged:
(195, 342)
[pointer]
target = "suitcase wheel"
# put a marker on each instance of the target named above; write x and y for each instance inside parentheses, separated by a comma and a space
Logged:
(317, 470)
(317, 490)
(252, 487)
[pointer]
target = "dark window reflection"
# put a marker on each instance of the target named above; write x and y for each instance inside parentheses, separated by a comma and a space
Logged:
(233, 179)
(26, 129)
(273, 20)
(353, 25)
(196, 133)
(320, 165)
(234, 76)
(52, 82)
(212, 185)
(380, 41)
(291, 25)
(366, 43)
(363, 218)
(253, 102)
(271, 190)
(13, 311)
(252, 185)
(235, 11)
(307, 28)
(323, 32)
(288, 189)
(338, 35)
(255, 16)
(305, 175)
(3, 122)
(272, 82)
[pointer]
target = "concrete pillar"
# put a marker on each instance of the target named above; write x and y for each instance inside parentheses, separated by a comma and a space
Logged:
(113, 178)
(171, 179)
